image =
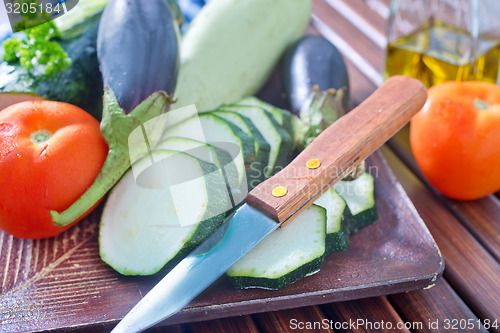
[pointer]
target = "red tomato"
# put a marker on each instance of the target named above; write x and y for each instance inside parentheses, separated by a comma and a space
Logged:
(50, 153)
(455, 139)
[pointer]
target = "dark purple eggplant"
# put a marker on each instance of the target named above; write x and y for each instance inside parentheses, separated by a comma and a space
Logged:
(138, 49)
(312, 61)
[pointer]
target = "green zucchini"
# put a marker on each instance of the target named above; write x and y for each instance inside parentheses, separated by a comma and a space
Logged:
(262, 148)
(286, 255)
(80, 84)
(261, 145)
(232, 46)
(219, 133)
(282, 117)
(143, 228)
(359, 195)
(280, 142)
(337, 230)
(210, 154)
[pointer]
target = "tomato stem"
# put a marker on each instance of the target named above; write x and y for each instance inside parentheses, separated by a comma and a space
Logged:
(40, 136)
(480, 104)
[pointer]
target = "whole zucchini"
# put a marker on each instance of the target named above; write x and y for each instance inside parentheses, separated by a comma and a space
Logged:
(313, 60)
(138, 49)
(232, 46)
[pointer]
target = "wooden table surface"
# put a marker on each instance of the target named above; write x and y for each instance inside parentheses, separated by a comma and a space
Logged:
(467, 297)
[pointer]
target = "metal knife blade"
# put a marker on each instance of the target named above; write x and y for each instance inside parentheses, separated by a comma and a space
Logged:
(339, 149)
(235, 237)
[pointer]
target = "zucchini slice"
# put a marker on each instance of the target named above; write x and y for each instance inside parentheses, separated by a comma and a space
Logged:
(262, 148)
(337, 230)
(144, 227)
(261, 145)
(282, 117)
(210, 154)
(222, 134)
(280, 142)
(359, 195)
(286, 255)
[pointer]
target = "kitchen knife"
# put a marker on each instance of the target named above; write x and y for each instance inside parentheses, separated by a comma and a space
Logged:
(276, 201)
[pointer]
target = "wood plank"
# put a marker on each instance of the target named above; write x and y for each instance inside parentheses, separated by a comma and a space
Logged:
(167, 329)
(365, 315)
(363, 76)
(435, 309)
(481, 217)
(470, 269)
(381, 7)
(242, 324)
(364, 17)
(287, 321)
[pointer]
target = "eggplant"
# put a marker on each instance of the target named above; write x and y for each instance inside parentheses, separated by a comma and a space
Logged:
(138, 49)
(313, 61)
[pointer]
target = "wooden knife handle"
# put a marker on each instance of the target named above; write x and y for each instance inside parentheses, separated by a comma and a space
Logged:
(339, 149)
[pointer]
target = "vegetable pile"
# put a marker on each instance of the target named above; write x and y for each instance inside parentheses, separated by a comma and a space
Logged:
(189, 171)
(145, 228)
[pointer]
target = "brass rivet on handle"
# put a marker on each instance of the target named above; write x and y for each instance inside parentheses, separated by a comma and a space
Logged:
(313, 163)
(279, 191)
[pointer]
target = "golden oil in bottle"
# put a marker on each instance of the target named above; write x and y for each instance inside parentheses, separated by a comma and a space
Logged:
(437, 52)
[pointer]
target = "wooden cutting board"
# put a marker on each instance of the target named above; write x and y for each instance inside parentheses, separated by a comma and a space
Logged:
(61, 283)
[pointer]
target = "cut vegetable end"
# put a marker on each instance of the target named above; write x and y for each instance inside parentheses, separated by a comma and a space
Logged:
(279, 141)
(216, 131)
(357, 222)
(359, 195)
(338, 233)
(143, 229)
(245, 282)
(297, 251)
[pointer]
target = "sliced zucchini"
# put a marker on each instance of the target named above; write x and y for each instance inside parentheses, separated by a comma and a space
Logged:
(280, 142)
(262, 148)
(210, 154)
(359, 195)
(147, 224)
(222, 134)
(261, 145)
(282, 117)
(286, 255)
(337, 230)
